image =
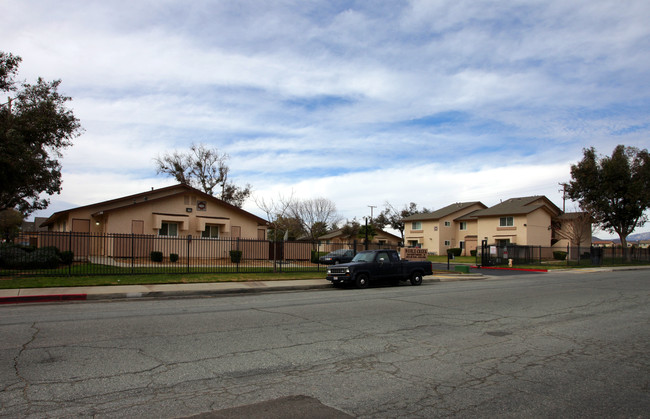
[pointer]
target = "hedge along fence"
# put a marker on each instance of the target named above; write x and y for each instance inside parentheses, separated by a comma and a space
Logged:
(24, 257)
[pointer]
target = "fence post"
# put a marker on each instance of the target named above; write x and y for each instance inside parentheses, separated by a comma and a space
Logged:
(70, 249)
(189, 241)
(132, 252)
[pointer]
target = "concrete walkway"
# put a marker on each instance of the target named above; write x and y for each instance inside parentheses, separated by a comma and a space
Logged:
(26, 295)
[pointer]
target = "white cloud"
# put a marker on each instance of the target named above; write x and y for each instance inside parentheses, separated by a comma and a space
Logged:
(431, 102)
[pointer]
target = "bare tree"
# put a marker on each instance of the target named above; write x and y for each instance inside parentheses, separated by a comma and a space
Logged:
(277, 212)
(203, 168)
(576, 227)
(316, 215)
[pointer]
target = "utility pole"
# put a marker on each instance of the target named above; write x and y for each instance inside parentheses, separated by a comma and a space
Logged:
(563, 190)
(371, 208)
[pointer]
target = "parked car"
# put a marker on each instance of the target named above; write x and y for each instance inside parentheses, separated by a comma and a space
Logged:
(336, 257)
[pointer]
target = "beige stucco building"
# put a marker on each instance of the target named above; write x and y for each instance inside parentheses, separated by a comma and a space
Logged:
(174, 211)
(337, 240)
(177, 219)
(446, 228)
(525, 221)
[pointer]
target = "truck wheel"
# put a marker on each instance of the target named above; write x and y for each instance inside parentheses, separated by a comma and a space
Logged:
(416, 278)
(361, 281)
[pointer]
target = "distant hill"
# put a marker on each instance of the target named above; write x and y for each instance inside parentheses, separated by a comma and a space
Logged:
(631, 238)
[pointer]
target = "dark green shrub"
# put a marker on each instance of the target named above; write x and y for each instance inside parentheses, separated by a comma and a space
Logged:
(156, 256)
(472, 253)
(15, 257)
(315, 256)
(455, 251)
(67, 257)
(173, 257)
(235, 256)
(559, 255)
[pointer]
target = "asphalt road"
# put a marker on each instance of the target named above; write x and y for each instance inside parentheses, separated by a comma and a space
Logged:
(551, 345)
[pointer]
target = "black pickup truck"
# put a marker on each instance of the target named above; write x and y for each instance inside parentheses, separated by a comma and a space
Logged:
(371, 265)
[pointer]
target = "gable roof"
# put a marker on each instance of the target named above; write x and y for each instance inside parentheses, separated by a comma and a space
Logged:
(442, 212)
(151, 196)
(338, 232)
(519, 206)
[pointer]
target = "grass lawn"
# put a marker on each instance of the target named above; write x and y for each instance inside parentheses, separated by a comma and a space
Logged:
(86, 281)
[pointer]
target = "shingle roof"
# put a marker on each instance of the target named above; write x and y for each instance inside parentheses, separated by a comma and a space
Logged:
(337, 233)
(522, 205)
(442, 212)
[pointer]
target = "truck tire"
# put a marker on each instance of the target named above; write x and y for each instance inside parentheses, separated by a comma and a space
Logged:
(361, 281)
(416, 278)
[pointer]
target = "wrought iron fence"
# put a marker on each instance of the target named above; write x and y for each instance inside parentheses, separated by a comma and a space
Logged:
(494, 255)
(70, 253)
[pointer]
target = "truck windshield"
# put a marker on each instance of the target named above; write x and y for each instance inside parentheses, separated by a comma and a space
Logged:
(364, 257)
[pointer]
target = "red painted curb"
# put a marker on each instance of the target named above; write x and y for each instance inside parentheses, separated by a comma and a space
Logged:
(511, 269)
(42, 298)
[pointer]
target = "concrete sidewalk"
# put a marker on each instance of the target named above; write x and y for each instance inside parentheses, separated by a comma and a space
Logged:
(26, 295)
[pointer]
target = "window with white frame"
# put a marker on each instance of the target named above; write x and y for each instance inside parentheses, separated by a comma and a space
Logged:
(447, 243)
(463, 225)
(447, 223)
(168, 229)
(506, 221)
(416, 225)
(414, 243)
(210, 232)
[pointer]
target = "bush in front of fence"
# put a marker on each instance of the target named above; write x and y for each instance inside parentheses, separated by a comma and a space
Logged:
(16, 257)
(156, 256)
(67, 257)
(559, 255)
(455, 251)
(235, 256)
(173, 257)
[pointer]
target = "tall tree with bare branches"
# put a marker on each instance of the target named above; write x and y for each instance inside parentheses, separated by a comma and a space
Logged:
(203, 168)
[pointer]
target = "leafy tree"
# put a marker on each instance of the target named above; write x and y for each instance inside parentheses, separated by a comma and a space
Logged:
(206, 169)
(10, 221)
(368, 229)
(355, 230)
(35, 126)
(614, 190)
(393, 217)
(351, 229)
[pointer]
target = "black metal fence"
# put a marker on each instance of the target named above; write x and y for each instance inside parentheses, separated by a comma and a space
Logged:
(69, 253)
(494, 255)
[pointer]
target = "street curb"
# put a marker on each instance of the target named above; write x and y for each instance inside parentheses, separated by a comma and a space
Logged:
(43, 298)
(202, 293)
(244, 288)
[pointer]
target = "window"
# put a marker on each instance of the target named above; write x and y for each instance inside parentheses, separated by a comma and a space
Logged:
(416, 225)
(414, 243)
(210, 232)
(463, 225)
(168, 229)
(447, 243)
(447, 223)
(506, 221)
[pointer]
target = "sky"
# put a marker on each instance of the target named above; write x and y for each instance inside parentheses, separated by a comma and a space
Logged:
(363, 103)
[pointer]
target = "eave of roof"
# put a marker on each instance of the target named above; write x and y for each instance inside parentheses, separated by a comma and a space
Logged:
(442, 212)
